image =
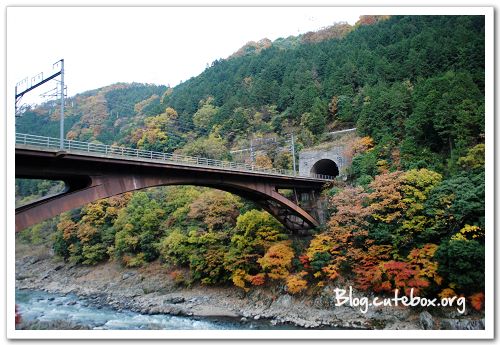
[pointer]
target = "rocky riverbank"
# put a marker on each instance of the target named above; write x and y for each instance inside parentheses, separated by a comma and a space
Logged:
(152, 290)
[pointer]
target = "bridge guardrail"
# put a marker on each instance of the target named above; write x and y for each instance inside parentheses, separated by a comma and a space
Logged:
(113, 150)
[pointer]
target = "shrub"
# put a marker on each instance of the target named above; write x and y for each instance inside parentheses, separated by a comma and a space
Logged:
(93, 254)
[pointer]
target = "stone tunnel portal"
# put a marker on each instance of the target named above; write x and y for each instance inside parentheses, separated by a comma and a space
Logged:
(325, 167)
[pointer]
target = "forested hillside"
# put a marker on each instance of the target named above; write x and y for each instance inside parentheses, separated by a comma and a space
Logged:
(410, 215)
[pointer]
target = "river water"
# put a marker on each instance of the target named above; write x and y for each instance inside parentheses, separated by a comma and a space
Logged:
(43, 306)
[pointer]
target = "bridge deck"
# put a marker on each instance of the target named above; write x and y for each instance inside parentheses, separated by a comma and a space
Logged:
(50, 147)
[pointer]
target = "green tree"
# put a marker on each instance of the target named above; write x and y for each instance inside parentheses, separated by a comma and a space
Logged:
(212, 147)
(254, 233)
(461, 263)
(137, 230)
(205, 114)
(385, 110)
(448, 114)
(315, 120)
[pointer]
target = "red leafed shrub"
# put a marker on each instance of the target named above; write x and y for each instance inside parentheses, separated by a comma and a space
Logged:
(404, 277)
(256, 280)
(367, 266)
(390, 275)
(375, 271)
(177, 276)
(331, 272)
(304, 260)
(477, 301)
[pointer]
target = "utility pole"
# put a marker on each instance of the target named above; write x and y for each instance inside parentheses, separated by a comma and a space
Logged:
(37, 81)
(251, 151)
(293, 156)
(61, 145)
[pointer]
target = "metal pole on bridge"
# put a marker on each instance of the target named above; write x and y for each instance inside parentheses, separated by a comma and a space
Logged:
(37, 81)
(293, 157)
(61, 144)
(251, 151)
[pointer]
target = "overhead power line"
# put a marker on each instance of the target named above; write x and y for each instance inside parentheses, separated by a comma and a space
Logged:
(25, 86)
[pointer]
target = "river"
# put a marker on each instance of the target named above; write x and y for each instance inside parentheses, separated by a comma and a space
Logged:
(43, 306)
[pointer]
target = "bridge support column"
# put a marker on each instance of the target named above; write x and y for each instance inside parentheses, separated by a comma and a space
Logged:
(315, 204)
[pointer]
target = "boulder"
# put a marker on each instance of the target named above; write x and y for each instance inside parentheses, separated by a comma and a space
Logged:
(426, 320)
(127, 275)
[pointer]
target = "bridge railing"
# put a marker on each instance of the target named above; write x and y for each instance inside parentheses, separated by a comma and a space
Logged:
(113, 150)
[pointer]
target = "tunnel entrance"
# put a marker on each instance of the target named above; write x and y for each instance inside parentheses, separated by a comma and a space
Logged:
(325, 167)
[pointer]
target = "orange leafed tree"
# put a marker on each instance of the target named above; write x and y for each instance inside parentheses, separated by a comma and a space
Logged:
(67, 226)
(257, 279)
(217, 209)
(356, 146)
(263, 161)
(278, 260)
(386, 199)
(370, 19)
(329, 251)
(296, 283)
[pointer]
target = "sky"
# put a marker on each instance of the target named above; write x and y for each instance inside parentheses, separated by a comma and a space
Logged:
(160, 45)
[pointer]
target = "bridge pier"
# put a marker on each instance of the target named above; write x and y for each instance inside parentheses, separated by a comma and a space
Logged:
(315, 204)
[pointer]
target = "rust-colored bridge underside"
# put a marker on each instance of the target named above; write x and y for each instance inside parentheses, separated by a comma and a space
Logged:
(92, 177)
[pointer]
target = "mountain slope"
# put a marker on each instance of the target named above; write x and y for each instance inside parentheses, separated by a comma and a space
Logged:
(410, 215)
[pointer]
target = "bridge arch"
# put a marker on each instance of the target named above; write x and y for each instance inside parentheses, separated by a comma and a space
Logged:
(77, 194)
(325, 167)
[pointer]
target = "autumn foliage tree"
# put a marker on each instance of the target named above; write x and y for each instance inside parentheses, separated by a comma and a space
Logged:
(277, 261)
(374, 233)
(217, 209)
(255, 233)
(88, 239)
